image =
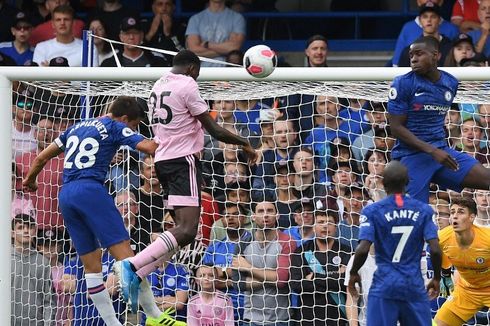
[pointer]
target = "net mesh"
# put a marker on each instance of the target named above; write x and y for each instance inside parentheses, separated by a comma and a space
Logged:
(321, 145)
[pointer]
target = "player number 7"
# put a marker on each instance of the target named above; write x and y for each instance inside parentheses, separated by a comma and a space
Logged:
(405, 232)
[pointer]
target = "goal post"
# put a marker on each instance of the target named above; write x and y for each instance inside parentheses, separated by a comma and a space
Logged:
(215, 84)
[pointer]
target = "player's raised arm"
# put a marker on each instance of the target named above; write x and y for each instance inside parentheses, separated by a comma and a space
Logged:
(226, 136)
(29, 183)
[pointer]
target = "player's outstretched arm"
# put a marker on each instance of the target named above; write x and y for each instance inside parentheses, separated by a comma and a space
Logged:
(148, 146)
(360, 256)
(398, 129)
(433, 287)
(29, 183)
(226, 136)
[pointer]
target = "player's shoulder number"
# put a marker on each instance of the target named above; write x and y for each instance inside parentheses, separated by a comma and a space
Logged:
(152, 106)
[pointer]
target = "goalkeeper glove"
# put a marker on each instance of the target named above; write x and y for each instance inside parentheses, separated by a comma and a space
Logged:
(447, 286)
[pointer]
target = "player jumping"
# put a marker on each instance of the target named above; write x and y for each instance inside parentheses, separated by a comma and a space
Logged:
(417, 107)
(177, 113)
(466, 247)
(398, 226)
(88, 210)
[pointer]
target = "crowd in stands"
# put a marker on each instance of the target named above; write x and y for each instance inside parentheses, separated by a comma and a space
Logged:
(276, 238)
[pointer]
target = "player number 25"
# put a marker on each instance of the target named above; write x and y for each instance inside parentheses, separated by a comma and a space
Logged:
(87, 149)
(405, 232)
(152, 101)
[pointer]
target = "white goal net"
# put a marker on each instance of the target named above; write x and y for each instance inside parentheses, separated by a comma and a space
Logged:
(323, 145)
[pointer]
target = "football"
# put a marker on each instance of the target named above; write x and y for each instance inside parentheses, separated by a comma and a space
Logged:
(260, 61)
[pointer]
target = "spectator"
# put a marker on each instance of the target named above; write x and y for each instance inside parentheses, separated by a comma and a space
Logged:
(304, 229)
(478, 60)
(215, 31)
(480, 36)
(376, 115)
(286, 200)
(471, 137)
(47, 30)
(19, 49)
(209, 307)
(221, 251)
(356, 308)
(249, 113)
(209, 207)
(465, 15)
(373, 166)
(7, 17)
(482, 199)
(316, 51)
(305, 184)
(132, 56)
(21, 203)
(235, 56)
(355, 114)
(23, 140)
(266, 123)
(128, 208)
(462, 48)
(343, 175)
(64, 43)
(354, 200)
(430, 20)
(49, 180)
(170, 287)
(317, 273)
(74, 283)
(285, 141)
(383, 140)
(453, 125)
(149, 199)
(33, 302)
(413, 30)
(111, 12)
(103, 47)
(50, 244)
(262, 270)
(164, 31)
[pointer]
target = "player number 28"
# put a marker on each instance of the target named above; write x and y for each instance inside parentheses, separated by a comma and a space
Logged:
(86, 152)
(405, 232)
(152, 101)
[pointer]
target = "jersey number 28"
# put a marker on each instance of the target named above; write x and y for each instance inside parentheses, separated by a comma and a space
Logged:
(405, 232)
(85, 157)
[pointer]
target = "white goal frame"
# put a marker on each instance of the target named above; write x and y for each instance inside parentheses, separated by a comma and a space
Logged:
(9, 74)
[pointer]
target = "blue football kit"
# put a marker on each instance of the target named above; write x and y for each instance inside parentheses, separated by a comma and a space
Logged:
(398, 226)
(88, 210)
(425, 103)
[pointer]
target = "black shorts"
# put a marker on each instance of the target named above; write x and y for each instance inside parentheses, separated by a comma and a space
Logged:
(181, 180)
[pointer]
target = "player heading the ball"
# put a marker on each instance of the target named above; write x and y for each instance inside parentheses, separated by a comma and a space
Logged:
(177, 114)
(88, 210)
(398, 226)
(417, 107)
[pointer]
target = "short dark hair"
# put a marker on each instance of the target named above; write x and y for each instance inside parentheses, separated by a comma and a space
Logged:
(64, 9)
(186, 57)
(242, 210)
(316, 37)
(126, 105)
(430, 41)
(465, 202)
(264, 200)
(327, 213)
(23, 219)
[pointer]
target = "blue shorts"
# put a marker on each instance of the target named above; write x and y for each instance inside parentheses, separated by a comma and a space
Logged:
(386, 312)
(90, 216)
(423, 169)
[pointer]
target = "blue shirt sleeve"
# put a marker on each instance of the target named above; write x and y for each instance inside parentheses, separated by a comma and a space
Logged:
(125, 136)
(193, 26)
(61, 140)
(208, 255)
(430, 229)
(400, 43)
(239, 25)
(397, 98)
(366, 227)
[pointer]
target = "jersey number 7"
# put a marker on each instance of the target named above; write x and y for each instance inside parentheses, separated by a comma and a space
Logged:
(405, 232)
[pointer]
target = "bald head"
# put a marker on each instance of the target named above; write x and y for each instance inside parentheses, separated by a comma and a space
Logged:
(395, 177)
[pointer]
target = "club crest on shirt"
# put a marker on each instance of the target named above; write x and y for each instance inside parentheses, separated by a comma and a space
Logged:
(170, 281)
(127, 132)
(480, 260)
(392, 93)
(218, 311)
(336, 260)
(448, 96)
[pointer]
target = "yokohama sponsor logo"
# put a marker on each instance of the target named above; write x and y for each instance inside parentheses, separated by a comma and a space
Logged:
(440, 108)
